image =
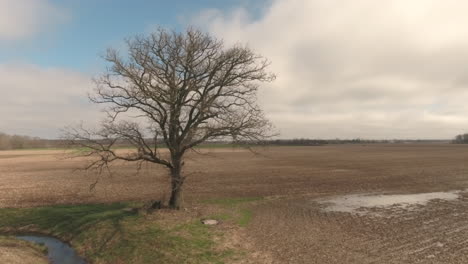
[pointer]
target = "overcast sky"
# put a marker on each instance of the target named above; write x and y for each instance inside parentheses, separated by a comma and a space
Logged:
(347, 69)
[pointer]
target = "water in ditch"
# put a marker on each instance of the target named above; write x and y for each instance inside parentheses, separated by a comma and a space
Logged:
(58, 251)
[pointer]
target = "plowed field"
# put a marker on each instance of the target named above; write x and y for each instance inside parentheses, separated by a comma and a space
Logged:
(290, 224)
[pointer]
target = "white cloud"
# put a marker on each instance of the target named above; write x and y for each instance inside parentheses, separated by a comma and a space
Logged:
(361, 68)
(39, 102)
(21, 19)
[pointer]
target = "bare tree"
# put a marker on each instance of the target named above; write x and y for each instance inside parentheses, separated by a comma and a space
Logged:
(185, 88)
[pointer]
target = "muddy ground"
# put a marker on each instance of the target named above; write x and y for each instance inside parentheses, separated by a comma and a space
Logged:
(290, 225)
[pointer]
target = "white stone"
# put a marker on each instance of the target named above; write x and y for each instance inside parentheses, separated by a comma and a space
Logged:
(210, 222)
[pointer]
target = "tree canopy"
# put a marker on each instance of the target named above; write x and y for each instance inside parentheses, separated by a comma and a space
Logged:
(181, 89)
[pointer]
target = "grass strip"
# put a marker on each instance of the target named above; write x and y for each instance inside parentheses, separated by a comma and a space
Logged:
(106, 233)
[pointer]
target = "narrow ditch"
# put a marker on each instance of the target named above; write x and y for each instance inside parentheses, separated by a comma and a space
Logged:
(58, 251)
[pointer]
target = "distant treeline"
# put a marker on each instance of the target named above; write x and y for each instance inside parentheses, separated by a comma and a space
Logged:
(461, 139)
(318, 142)
(8, 142)
(24, 142)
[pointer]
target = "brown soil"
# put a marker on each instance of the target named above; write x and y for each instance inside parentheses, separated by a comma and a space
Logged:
(14, 255)
(288, 226)
(13, 251)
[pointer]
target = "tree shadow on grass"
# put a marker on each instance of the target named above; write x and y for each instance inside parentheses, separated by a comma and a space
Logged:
(100, 223)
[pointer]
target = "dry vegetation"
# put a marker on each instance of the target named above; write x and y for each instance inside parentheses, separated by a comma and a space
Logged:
(13, 251)
(287, 225)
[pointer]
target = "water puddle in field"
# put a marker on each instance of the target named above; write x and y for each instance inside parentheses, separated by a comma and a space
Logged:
(354, 202)
(58, 252)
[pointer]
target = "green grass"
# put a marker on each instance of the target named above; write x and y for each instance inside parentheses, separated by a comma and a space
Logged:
(237, 208)
(104, 233)
(221, 216)
(64, 221)
(245, 217)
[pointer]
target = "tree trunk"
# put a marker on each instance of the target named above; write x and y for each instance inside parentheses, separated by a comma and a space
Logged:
(176, 184)
(174, 201)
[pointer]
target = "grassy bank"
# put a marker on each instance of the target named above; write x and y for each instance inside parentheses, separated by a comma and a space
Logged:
(111, 233)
